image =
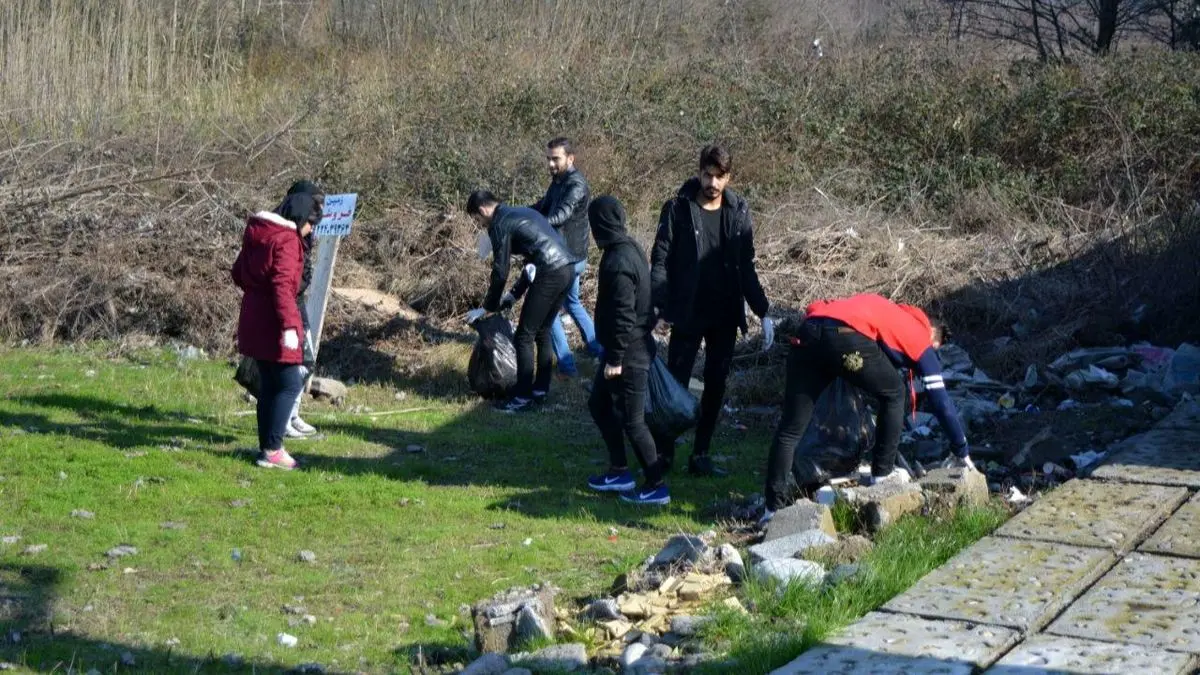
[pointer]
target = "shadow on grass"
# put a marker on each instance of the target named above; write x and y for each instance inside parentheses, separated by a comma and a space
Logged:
(113, 424)
(31, 640)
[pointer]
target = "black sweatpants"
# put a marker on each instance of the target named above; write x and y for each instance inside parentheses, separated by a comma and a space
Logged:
(719, 339)
(542, 302)
(280, 385)
(619, 409)
(828, 350)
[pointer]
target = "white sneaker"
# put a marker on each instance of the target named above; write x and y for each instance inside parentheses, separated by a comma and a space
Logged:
(898, 476)
(953, 462)
(292, 433)
(302, 426)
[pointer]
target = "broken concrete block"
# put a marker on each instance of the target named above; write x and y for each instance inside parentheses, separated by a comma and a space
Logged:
(790, 547)
(735, 568)
(496, 620)
(788, 571)
(952, 488)
(680, 549)
(802, 516)
(324, 387)
(566, 658)
(883, 504)
(488, 664)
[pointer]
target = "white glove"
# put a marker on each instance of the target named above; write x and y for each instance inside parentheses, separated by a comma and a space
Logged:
(508, 300)
(531, 271)
(475, 315)
(291, 339)
(768, 327)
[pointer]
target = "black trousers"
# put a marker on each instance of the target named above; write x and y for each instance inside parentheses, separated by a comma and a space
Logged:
(829, 350)
(280, 385)
(542, 302)
(719, 338)
(618, 407)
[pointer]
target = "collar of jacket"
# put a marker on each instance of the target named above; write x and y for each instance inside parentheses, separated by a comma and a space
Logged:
(274, 219)
(562, 177)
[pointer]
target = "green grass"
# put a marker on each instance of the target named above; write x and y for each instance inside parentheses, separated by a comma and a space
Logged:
(147, 438)
(785, 624)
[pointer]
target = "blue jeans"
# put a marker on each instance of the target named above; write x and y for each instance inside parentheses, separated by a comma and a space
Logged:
(579, 314)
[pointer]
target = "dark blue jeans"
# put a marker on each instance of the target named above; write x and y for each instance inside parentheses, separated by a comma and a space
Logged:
(280, 385)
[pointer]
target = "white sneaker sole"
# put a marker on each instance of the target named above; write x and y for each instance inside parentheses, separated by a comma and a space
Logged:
(615, 487)
(648, 502)
(270, 465)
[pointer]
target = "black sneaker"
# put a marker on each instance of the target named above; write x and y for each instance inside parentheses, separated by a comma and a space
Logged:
(703, 466)
(514, 405)
(539, 397)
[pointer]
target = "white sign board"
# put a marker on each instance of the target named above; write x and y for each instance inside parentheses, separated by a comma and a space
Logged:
(337, 217)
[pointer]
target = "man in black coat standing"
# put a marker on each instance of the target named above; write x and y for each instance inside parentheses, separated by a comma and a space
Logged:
(624, 321)
(703, 275)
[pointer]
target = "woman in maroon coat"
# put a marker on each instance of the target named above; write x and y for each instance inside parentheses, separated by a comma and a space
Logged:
(268, 270)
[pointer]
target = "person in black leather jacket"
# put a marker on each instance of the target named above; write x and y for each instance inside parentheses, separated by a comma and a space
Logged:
(624, 322)
(702, 277)
(523, 231)
(565, 206)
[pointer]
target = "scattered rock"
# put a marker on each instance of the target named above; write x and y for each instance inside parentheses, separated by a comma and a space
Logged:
(173, 642)
(324, 387)
(496, 620)
(688, 626)
(239, 503)
(791, 546)
(632, 654)
(531, 626)
(309, 619)
(602, 610)
(848, 550)
(62, 475)
(34, 549)
(788, 571)
(127, 659)
(802, 516)
(735, 569)
(11, 539)
(841, 573)
(80, 513)
(287, 640)
(883, 504)
(97, 567)
(951, 488)
(295, 610)
(121, 551)
(616, 628)
(169, 525)
(680, 549)
(488, 664)
(308, 557)
(432, 621)
(568, 657)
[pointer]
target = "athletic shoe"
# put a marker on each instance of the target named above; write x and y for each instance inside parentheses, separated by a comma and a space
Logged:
(655, 496)
(515, 405)
(766, 517)
(290, 432)
(898, 476)
(302, 426)
(613, 481)
(953, 462)
(702, 465)
(279, 459)
(539, 397)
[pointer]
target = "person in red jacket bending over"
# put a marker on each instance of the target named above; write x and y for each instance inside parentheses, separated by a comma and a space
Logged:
(862, 339)
(270, 329)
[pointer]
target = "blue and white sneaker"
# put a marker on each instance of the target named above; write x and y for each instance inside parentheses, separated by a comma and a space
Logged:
(657, 496)
(515, 405)
(613, 481)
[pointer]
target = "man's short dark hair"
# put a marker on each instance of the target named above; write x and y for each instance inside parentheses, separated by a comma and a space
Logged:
(478, 200)
(561, 142)
(716, 157)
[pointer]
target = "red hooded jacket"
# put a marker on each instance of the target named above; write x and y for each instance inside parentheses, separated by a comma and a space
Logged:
(268, 270)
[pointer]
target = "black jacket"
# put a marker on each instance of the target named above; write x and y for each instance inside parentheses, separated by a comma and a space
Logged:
(674, 275)
(624, 316)
(522, 231)
(565, 205)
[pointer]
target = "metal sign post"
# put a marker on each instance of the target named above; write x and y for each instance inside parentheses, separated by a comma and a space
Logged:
(335, 224)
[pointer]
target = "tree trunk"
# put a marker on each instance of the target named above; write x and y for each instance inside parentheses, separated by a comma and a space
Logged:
(1106, 15)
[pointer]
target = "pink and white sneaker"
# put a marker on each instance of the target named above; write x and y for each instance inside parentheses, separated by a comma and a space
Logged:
(278, 459)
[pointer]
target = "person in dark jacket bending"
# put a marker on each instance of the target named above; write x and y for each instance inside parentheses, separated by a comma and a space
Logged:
(565, 206)
(624, 322)
(525, 232)
(702, 277)
(268, 269)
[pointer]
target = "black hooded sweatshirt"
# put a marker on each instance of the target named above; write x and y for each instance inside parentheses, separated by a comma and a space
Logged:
(624, 318)
(305, 187)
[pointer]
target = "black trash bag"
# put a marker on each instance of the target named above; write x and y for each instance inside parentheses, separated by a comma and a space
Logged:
(492, 370)
(247, 375)
(670, 408)
(841, 433)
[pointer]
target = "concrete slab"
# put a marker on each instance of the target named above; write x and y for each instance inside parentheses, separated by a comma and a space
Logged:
(1168, 454)
(897, 643)
(1180, 535)
(1146, 600)
(1055, 654)
(1091, 513)
(1017, 583)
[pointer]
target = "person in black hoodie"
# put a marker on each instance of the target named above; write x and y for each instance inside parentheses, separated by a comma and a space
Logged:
(297, 428)
(624, 321)
(702, 277)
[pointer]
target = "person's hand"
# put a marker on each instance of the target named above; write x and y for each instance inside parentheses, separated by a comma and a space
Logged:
(475, 315)
(291, 339)
(612, 372)
(508, 300)
(768, 329)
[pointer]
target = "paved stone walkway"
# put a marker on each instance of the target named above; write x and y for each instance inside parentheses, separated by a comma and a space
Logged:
(1101, 575)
